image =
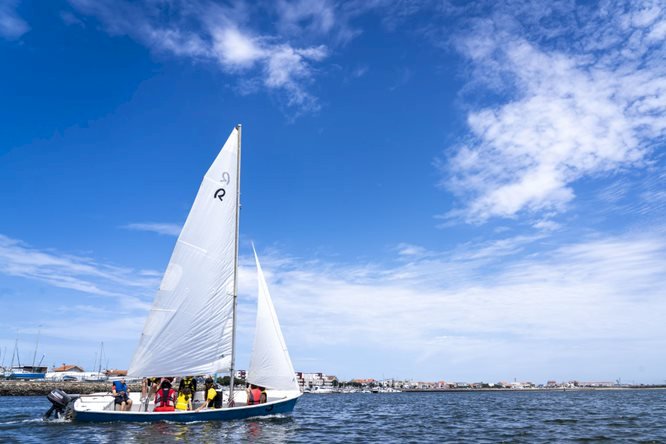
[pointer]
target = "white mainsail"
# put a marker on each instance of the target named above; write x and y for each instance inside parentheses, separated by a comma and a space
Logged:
(270, 365)
(189, 330)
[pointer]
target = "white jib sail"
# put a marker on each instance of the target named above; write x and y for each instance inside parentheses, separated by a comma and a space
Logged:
(270, 365)
(189, 328)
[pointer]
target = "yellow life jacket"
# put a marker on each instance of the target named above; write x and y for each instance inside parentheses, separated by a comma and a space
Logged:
(182, 403)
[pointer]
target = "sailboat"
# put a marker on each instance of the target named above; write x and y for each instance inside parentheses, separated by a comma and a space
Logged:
(191, 327)
(25, 371)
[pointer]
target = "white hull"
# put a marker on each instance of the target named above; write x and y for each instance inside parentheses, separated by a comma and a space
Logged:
(100, 407)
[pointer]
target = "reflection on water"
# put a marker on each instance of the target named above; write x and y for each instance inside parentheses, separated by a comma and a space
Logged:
(627, 416)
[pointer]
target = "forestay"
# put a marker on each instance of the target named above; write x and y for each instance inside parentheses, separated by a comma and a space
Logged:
(189, 328)
(270, 365)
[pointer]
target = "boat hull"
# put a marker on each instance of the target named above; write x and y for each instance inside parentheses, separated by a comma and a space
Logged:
(26, 376)
(227, 414)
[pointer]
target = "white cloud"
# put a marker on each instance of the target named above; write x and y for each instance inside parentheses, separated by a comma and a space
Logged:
(591, 293)
(78, 273)
(11, 25)
(205, 31)
(235, 49)
(587, 110)
(159, 228)
(457, 311)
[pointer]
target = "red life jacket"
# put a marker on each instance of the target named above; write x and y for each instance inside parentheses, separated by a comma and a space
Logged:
(165, 398)
(255, 395)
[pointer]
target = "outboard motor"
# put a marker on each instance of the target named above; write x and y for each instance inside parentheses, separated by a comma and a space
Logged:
(61, 404)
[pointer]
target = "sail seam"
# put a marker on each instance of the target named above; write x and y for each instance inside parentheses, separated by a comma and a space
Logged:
(193, 246)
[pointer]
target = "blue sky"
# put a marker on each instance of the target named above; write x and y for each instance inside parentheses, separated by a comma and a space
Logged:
(437, 190)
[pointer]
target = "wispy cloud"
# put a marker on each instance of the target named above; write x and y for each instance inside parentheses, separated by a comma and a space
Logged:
(159, 228)
(298, 16)
(575, 101)
(465, 308)
(72, 272)
(11, 25)
(207, 31)
(590, 292)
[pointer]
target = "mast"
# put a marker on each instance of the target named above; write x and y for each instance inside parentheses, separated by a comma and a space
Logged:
(232, 370)
(18, 357)
(101, 353)
(34, 355)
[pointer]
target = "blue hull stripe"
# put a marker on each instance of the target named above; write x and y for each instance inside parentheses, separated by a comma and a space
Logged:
(27, 376)
(228, 414)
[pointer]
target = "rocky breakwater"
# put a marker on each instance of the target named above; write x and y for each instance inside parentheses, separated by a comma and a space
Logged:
(36, 388)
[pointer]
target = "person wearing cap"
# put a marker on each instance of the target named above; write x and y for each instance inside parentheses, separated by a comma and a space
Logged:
(121, 395)
(211, 396)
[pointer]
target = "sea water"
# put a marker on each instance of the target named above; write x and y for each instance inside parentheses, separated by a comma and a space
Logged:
(530, 417)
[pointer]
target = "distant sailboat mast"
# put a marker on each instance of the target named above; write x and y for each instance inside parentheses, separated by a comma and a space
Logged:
(101, 354)
(34, 355)
(16, 354)
(94, 366)
(233, 316)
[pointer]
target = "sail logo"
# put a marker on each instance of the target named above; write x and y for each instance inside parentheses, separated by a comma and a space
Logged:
(219, 194)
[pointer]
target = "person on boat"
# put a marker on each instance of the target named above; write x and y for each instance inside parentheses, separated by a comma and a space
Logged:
(165, 398)
(189, 382)
(263, 399)
(148, 387)
(253, 394)
(213, 399)
(121, 395)
(184, 401)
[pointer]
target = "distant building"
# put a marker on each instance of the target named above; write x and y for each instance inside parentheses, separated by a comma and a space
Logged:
(115, 372)
(363, 382)
(596, 384)
(68, 368)
(309, 380)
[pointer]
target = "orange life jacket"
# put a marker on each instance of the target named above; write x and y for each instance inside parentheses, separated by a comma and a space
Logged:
(255, 395)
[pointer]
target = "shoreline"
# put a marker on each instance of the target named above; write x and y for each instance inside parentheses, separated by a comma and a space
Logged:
(43, 388)
(568, 389)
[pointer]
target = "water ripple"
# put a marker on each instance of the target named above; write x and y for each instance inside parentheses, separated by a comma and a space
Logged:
(484, 417)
